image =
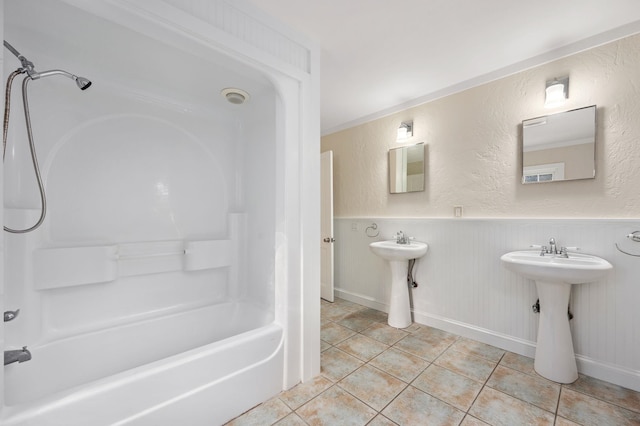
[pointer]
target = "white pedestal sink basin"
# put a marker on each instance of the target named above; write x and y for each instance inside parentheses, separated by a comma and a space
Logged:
(398, 256)
(554, 275)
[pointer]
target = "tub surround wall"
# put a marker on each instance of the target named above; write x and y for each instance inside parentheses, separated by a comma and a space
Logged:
(149, 235)
(473, 159)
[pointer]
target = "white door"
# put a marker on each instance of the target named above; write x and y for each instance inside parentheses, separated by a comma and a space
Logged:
(326, 226)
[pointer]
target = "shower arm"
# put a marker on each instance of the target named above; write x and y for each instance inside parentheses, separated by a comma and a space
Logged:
(27, 65)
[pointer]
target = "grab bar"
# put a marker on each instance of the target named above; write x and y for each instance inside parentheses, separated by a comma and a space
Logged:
(139, 256)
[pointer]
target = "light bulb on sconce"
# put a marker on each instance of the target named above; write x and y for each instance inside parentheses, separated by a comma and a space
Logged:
(556, 92)
(405, 131)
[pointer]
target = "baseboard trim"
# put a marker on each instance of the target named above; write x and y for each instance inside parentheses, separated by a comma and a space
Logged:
(360, 299)
(499, 340)
(620, 376)
(611, 373)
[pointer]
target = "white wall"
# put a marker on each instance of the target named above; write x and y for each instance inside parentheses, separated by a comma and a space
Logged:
(473, 158)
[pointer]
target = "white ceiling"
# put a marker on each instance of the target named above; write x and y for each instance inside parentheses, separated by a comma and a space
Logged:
(381, 56)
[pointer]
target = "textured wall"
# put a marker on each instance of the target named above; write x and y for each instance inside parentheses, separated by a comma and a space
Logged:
(473, 143)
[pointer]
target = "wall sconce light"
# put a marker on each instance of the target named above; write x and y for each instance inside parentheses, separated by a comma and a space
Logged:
(405, 131)
(556, 92)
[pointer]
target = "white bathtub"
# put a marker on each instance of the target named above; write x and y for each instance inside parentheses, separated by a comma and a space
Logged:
(217, 357)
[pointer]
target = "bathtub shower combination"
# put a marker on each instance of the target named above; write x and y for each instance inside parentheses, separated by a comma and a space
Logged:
(141, 218)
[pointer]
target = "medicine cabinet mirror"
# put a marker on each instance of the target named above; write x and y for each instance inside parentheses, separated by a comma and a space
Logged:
(559, 146)
(406, 169)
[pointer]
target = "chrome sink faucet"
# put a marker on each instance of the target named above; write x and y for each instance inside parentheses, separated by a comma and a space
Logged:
(401, 238)
(553, 249)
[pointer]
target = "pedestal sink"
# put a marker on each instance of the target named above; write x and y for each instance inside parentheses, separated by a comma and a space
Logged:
(554, 275)
(398, 256)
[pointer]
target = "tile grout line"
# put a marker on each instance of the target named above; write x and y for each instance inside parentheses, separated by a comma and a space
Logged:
(566, 386)
(407, 384)
(410, 384)
(373, 319)
(449, 346)
(485, 384)
(432, 362)
(563, 387)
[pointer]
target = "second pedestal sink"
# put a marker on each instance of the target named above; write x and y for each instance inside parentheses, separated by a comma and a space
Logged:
(398, 256)
(554, 274)
(574, 269)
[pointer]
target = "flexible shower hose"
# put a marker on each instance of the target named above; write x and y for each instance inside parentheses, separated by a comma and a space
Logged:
(34, 158)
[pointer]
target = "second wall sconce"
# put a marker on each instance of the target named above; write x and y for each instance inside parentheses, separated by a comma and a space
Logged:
(556, 92)
(405, 131)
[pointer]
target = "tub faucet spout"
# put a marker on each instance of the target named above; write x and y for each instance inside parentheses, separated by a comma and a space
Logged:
(17, 355)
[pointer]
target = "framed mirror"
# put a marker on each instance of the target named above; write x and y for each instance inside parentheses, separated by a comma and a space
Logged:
(559, 147)
(406, 169)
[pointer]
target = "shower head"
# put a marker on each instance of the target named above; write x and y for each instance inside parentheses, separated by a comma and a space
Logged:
(81, 82)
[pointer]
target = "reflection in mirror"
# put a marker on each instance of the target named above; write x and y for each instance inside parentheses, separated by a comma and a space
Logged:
(559, 146)
(406, 169)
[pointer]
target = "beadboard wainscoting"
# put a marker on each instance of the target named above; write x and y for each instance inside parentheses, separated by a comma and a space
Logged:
(463, 287)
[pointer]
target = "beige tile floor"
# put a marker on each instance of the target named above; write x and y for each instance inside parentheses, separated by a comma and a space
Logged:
(373, 374)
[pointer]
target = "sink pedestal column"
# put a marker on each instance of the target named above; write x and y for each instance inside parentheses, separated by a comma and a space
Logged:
(399, 306)
(555, 359)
